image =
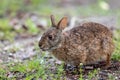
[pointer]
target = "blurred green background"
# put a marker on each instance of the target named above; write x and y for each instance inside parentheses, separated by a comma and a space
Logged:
(14, 12)
(68, 7)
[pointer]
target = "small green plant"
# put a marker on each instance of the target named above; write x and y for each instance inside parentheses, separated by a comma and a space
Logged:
(111, 77)
(81, 71)
(2, 72)
(92, 74)
(32, 27)
(32, 69)
(5, 30)
(116, 54)
(60, 71)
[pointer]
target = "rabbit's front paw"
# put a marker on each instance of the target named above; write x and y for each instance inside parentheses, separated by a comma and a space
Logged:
(72, 69)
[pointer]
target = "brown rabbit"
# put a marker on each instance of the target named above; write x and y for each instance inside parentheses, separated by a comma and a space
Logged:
(87, 43)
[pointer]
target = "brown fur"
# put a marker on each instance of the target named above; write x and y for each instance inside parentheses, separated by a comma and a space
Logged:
(88, 43)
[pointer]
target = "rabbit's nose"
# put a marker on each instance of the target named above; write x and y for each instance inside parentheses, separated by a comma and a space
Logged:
(40, 45)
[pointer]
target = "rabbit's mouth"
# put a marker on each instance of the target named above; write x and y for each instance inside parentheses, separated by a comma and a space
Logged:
(51, 48)
(45, 49)
(48, 49)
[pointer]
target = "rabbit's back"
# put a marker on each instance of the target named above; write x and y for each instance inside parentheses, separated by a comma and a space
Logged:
(90, 30)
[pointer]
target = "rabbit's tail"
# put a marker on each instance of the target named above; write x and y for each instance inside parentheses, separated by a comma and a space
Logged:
(108, 46)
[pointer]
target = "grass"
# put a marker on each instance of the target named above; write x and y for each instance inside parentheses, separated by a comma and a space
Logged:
(5, 30)
(31, 27)
(92, 74)
(116, 54)
(29, 69)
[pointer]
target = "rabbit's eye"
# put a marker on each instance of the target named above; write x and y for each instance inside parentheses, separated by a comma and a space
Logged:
(50, 37)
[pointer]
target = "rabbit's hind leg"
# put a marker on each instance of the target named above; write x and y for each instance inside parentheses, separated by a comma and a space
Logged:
(108, 61)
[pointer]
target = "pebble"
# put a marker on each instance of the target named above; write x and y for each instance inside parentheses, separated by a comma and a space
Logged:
(1, 61)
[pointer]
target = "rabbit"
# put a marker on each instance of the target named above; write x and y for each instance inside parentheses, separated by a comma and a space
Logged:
(88, 43)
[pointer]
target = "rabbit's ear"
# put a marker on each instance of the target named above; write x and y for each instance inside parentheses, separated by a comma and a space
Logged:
(53, 21)
(62, 23)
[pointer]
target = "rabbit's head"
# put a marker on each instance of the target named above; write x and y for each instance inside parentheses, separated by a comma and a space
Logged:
(52, 37)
